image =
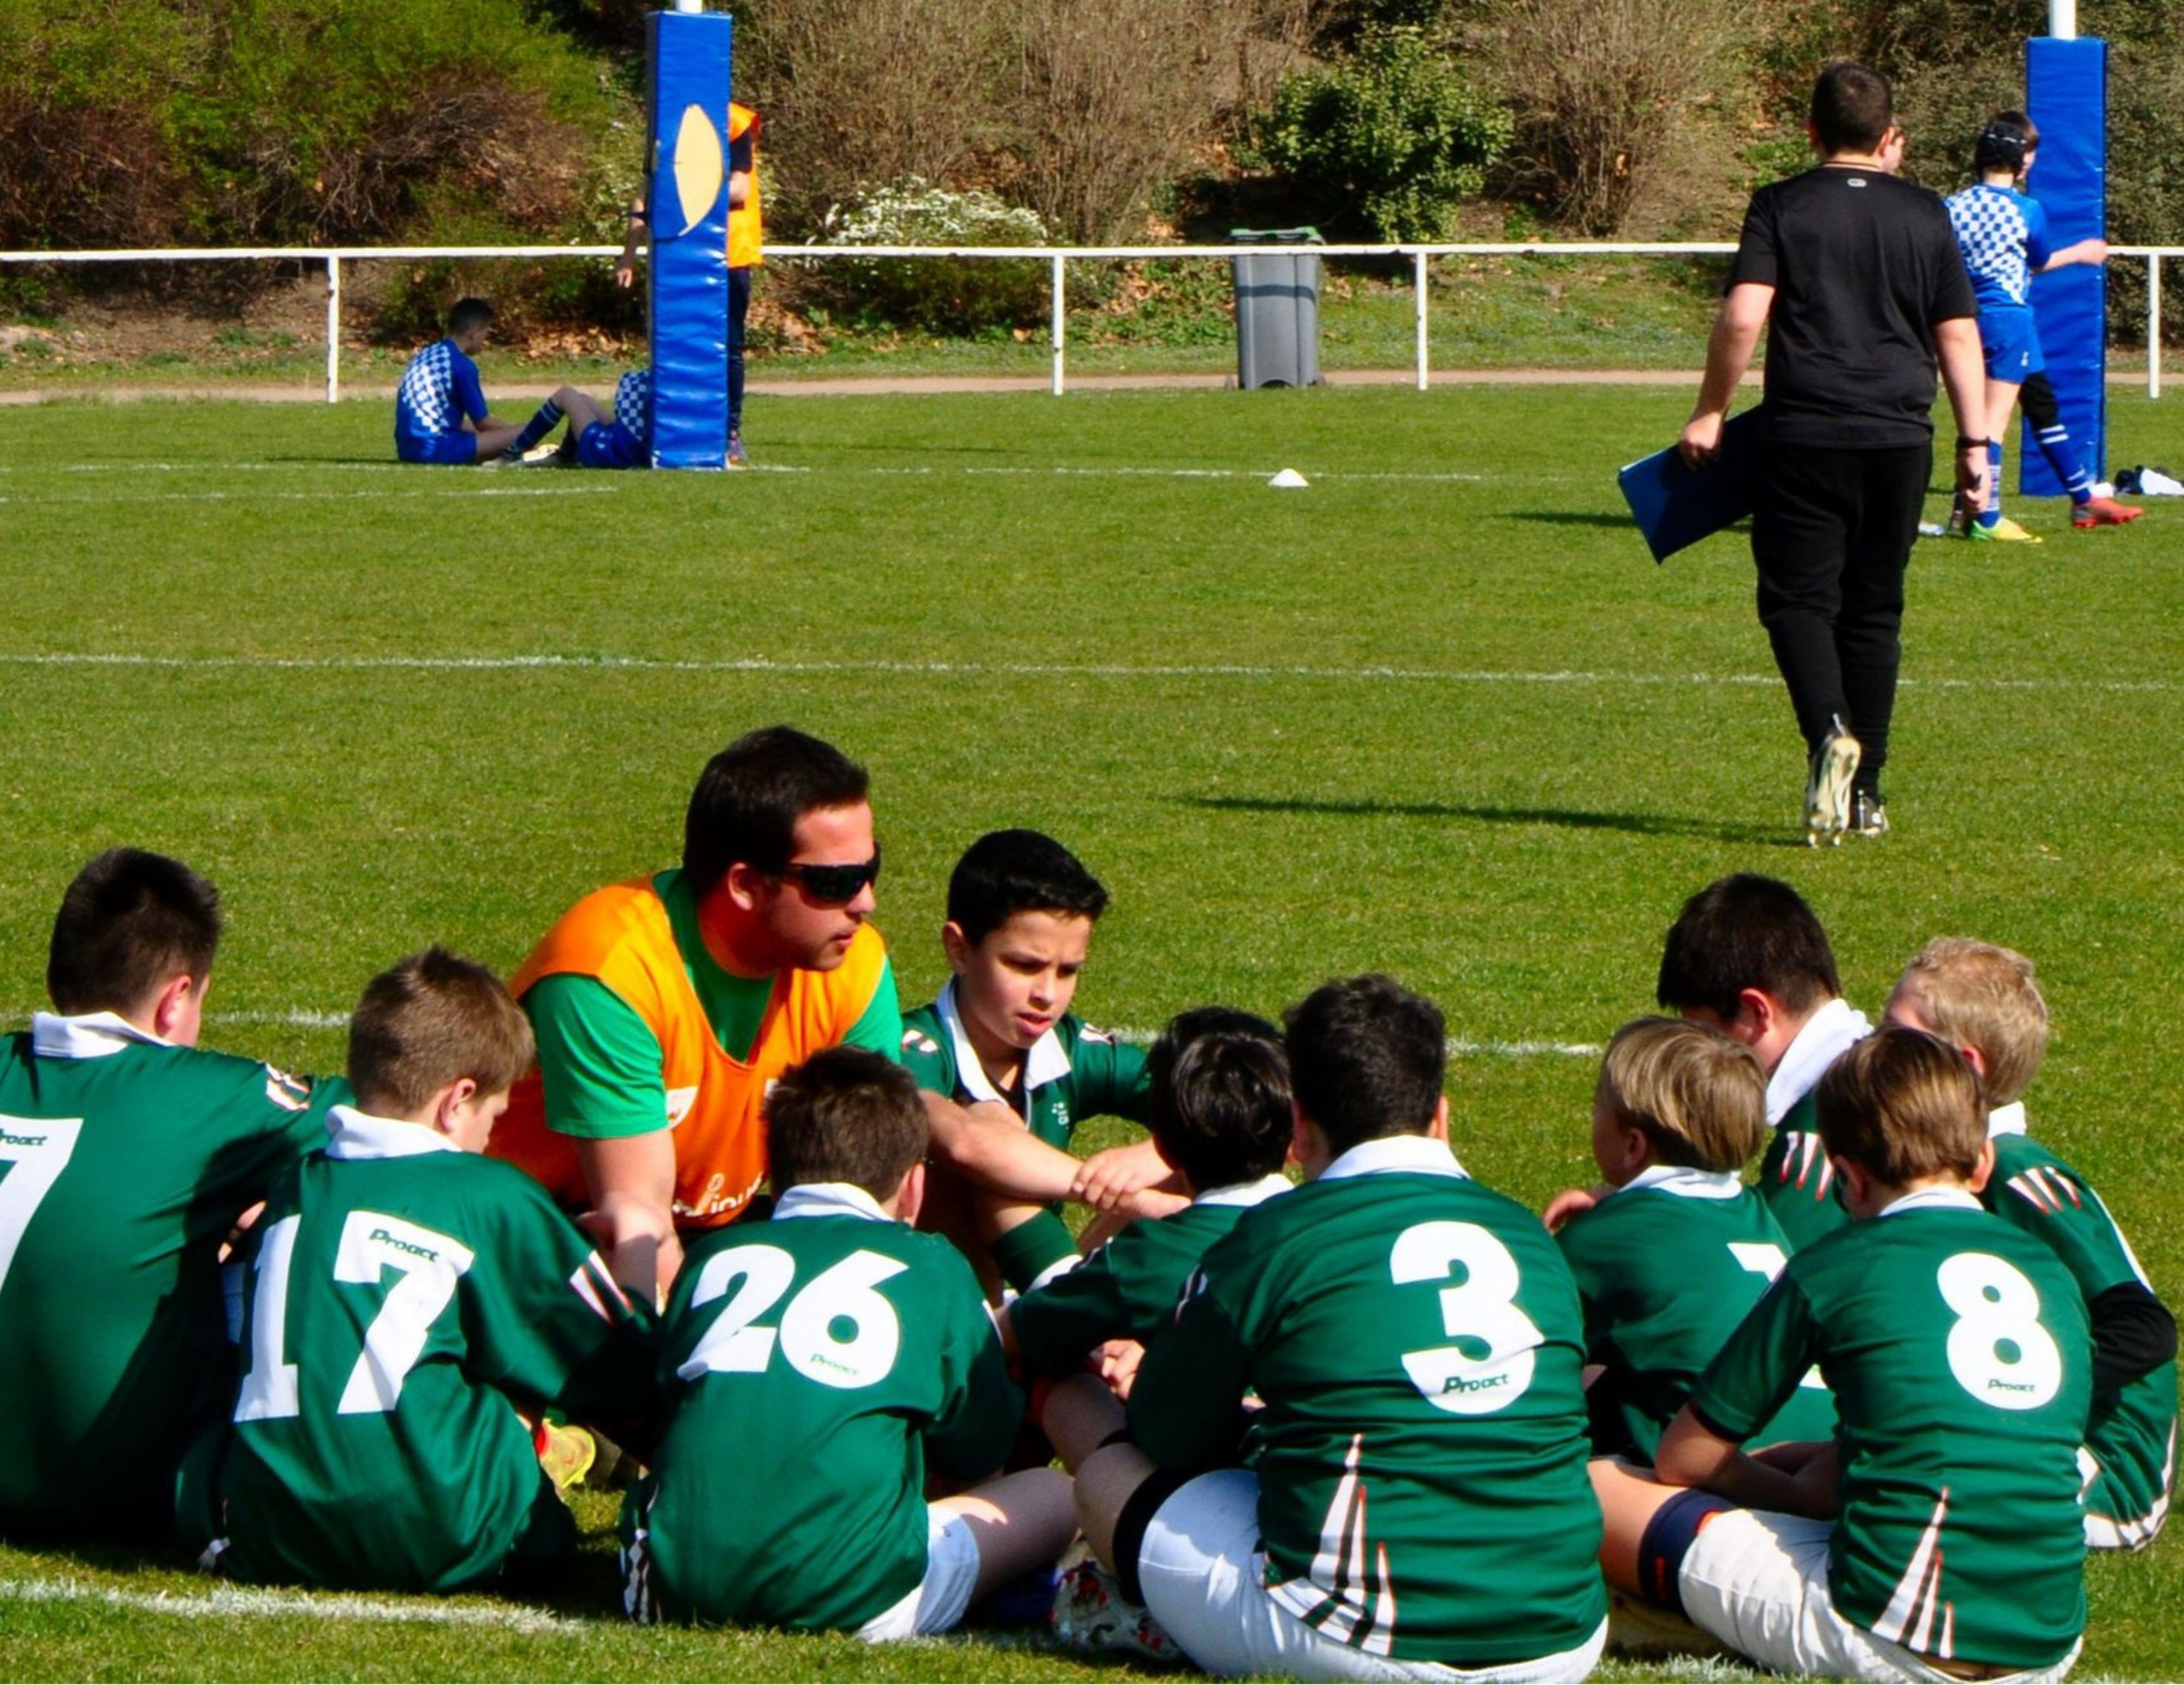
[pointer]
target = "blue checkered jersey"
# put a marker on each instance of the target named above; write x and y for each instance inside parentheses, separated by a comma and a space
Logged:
(2003, 236)
(632, 405)
(438, 388)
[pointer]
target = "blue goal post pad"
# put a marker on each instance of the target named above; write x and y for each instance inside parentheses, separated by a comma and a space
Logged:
(688, 57)
(1675, 506)
(2066, 88)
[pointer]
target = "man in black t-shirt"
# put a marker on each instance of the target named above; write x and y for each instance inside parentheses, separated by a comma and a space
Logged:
(1857, 277)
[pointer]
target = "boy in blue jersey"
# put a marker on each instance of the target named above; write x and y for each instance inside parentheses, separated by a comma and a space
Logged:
(596, 437)
(2003, 234)
(440, 414)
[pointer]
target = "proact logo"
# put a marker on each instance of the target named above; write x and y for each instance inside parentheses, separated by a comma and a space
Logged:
(409, 1246)
(7, 1140)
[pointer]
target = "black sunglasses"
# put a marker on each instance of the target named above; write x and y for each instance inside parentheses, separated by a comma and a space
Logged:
(831, 882)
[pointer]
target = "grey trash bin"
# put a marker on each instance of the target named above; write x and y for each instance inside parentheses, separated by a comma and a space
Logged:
(1277, 307)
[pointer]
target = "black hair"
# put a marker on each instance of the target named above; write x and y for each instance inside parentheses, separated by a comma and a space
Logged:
(1218, 1103)
(1006, 872)
(1853, 108)
(2004, 142)
(1742, 932)
(467, 314)
(846, 1114)
(751, 795)
(1366, 1059)
(129, 923)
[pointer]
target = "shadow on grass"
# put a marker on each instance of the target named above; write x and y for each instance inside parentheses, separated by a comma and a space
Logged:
(1570, 518)
(1635, 824)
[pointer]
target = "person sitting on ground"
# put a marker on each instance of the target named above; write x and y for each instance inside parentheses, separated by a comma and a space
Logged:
(1671, 1256)
(1417, 1500)
(596, 438)
(819, 1366)
(1939, 1535)
(1984, 1002)
(1024, 1070)
(2002, 233)
(1747, 957)
(409, 1299)
(126, 1155)
(440, 414)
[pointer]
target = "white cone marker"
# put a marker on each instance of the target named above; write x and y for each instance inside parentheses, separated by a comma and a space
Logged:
(1287, 478)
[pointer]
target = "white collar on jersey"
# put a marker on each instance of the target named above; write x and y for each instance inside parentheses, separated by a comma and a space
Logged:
(91, 1035)
(2006, 1120)
(1686, 1182)
(1044, 1060)
(828, 1199)
(1933, 1199)
(1245, 1193)
(1419, 1153)
(355, 1135)
(1834, 1027)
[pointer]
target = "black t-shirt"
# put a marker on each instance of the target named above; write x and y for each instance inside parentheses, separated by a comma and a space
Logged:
(1862, 266)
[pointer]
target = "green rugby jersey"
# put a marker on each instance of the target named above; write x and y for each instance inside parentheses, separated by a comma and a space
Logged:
(1666, 1267)
(123, 1162)
(1962, 1364)
(1795, 1177)
(2130, 1437)
(405, 1298)
(1071, 1072)
(1129, 1288)
(1421, 1457)
(815, 1365)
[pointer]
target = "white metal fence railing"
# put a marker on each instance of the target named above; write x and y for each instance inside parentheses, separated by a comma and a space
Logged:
(1058, 259)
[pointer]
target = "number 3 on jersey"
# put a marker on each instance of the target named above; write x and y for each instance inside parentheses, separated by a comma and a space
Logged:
(1490, 1364)
(836, 1330)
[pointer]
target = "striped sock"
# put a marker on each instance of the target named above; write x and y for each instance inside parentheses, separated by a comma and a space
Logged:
(2055, 445)
(1991, 516)
(547, 418)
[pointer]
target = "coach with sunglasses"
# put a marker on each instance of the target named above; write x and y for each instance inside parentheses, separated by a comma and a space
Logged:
(665, 1007)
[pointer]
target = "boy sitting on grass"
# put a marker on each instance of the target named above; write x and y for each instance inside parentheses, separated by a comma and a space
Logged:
(1002, 1042)
(407, 1297)
(817, 1364)
(1939, 1535)
(1746, 956)
(1983, 1000)
(1671, 1255)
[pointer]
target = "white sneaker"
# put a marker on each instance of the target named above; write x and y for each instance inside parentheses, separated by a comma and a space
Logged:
(1090, 1613)
(1827, 791)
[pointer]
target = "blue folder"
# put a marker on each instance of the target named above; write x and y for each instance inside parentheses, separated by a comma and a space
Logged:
(1675, 506)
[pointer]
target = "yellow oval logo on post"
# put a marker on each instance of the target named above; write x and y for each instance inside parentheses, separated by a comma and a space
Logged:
(700, 165)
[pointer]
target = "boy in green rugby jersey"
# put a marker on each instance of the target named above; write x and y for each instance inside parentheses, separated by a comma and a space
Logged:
(1746, 956)
(408, 1297)
(1219, 1104)
(1001, 1041)
(817, 1366)
(1417, 1500)
(1938, 1535)
(1984, 1002)
(126, 1155)
(1676, 1249)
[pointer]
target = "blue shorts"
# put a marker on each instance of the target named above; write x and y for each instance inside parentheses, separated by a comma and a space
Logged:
(2011, 345)
(446, 450)
(609, 445)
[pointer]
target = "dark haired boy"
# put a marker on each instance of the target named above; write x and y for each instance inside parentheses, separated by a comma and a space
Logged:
(1984, 1002)
(1939, 1537)
(126, 1155)
(1417, 1500)
(2003, 234)
(407, 1298)
(1855, 278)
(1671, 1255)
(818, 1367)
(1001, 1038)
(440, 414)
(664, 1005)
(1748, 958)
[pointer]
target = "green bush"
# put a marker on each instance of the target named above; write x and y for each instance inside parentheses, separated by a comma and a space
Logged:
(1392, 136)
(967, 295)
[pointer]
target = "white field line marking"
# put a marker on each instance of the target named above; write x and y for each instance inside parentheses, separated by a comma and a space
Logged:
(106, 500)
(907, 470)
(225, 1602)
(762, 664)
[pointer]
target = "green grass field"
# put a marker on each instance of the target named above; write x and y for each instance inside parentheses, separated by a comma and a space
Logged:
(1436, 714)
